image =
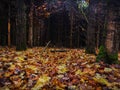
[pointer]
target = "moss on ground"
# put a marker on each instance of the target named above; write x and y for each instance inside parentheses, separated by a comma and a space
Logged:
(107, 58)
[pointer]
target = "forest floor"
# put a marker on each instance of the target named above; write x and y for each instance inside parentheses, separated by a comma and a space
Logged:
(69, 70)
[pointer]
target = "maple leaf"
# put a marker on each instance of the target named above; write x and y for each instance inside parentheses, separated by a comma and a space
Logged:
(44, 79)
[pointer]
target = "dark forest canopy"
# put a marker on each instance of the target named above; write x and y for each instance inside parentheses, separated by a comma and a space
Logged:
(56, 4)
(45, 8)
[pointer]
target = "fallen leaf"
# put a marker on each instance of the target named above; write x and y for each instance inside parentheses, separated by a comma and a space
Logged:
(79, 72)
(101, 80)
(44, 79)
(62, 69)
(107, 70)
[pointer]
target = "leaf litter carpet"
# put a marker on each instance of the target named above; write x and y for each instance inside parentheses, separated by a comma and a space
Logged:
(69, 70)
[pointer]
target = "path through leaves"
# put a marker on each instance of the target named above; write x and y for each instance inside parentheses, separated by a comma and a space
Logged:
(71, 70)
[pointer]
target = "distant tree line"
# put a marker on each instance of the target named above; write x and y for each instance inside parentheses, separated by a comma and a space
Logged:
(91, 24)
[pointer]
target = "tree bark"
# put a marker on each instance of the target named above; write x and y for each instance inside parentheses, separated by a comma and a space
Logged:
(9, 25)
(30, 35)
(71, 27)
(3, 22)
(21, 26)
(91, 28)
(112, 38)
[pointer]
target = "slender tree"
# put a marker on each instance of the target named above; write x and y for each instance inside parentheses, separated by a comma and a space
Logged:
(9, 26)
(21, 25)
(71, 27)
(91, 28)
(30, 35)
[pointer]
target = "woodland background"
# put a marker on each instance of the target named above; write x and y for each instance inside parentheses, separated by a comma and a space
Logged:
(66, 23)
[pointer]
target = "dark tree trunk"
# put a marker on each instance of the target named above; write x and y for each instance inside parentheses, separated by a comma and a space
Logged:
(36, 33)
(91, 28)
(30, 33)
(3, 22)
(21, 26)
(112, 39)
(112, 35)
(71, 27)
(13, 22)
(101, 11)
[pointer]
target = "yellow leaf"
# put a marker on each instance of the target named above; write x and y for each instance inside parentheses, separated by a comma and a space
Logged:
(79, 72)
(62, 68)
(20, 58)
(102, 81)
(44, 79)
(12, 67)
(32, 67)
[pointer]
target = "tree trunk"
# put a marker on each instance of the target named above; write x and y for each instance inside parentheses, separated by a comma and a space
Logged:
(30, 35)
(9, 26)
(91, 28)
(3, 23)
(112, 38)
(21, 26)
(71, 27)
